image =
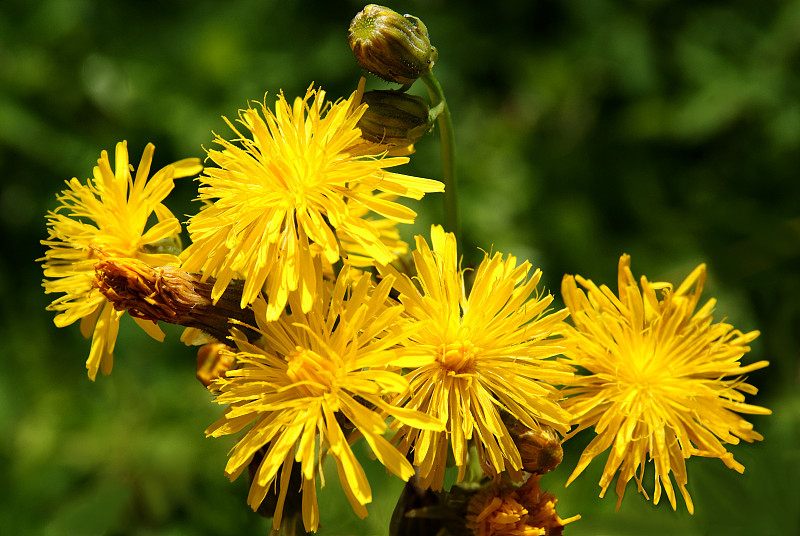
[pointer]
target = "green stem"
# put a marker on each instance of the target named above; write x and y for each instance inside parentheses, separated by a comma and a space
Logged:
(445, 122)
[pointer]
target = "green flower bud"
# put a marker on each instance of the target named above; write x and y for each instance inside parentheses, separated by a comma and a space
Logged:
(540, 448)
(171, 245)
(389, 45)
(394, 118)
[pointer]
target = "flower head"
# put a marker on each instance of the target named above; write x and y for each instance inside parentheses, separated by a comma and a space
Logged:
(316, 371)
(505, 510)
(663, 381)
(480, 355)
(293, 191)
(106, 218)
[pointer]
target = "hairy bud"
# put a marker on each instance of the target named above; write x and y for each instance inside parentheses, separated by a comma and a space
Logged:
(389, 45)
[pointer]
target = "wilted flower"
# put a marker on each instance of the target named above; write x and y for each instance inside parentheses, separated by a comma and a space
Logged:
(505, 510)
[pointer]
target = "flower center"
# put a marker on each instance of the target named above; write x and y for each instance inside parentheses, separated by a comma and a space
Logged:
(647, 369)
(456, 356)
(315, 374)
(494, 511)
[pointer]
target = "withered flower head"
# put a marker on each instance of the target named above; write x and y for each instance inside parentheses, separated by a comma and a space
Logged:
(169, 294)
(503, 509)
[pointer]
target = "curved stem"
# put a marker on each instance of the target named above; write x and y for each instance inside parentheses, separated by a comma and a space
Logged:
(442, 112)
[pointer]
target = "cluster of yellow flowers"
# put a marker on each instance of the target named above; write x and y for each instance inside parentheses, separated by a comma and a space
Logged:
(299, 225)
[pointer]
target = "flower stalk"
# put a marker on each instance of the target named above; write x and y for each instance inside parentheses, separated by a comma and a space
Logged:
(441, 111)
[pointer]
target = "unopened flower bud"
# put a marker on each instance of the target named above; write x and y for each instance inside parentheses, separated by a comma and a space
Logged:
(389, 45)
(539, 448)
(394, 118)
(213, 361)
(170, 245)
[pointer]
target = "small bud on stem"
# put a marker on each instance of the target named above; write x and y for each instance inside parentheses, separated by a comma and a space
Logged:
(389, 45)
(539, 448)
(394, 118)
(213, 361)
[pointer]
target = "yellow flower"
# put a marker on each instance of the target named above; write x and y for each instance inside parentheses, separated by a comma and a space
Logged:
(481, 354)
(358, 255)
(495, 512)
(291, 192)
(317, 370)
(505, 510)
(663, 381)
(106, 217)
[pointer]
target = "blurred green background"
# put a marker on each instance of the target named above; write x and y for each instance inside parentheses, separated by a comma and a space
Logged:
(585, 129)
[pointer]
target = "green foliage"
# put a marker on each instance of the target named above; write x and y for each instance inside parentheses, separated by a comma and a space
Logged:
(585, 128)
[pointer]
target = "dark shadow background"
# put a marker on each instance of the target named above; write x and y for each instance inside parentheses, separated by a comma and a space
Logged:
(585, 129)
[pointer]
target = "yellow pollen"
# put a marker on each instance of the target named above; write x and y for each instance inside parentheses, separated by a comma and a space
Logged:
(316, 374)
(456, 356)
